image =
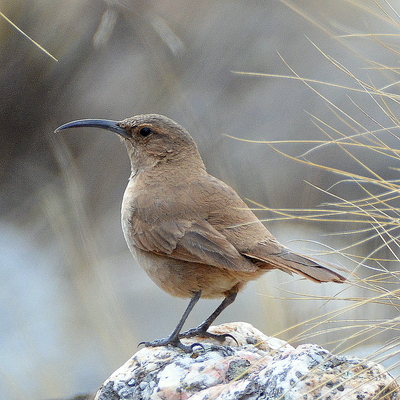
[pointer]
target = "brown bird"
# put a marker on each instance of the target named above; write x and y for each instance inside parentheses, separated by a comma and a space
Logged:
(191, 232)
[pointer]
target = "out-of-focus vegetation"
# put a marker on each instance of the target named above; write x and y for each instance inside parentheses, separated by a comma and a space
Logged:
(318, 125)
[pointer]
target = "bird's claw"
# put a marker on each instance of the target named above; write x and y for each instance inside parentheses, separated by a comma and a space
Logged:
(174, 342)
(204, 333)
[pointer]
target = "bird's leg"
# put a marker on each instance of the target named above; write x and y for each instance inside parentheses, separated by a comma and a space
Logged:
(201, 330)
(173, 338)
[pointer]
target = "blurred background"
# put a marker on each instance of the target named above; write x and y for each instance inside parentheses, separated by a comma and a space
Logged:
(73, 303)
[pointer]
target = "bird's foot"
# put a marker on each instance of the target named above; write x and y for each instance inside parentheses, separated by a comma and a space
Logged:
(171, 341)
(201, 331)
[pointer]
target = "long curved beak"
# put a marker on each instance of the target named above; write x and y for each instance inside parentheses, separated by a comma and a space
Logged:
(109, 125)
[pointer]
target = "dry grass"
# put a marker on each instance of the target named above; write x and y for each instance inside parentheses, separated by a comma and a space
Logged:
(369, 222)
(41, 48)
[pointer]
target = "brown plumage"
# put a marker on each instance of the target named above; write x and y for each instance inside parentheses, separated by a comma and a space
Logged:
(191, 232)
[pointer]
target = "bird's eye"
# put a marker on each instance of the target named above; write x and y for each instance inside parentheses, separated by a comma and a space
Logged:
(146, 131)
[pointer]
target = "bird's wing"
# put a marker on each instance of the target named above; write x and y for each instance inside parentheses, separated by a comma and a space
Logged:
(192, 241)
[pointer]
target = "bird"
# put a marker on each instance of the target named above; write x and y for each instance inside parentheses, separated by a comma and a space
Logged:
(191, 232)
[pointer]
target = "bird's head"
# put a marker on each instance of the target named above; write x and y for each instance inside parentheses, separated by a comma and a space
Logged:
(150, 139)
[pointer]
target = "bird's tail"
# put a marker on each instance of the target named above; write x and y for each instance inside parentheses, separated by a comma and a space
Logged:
(308, 267)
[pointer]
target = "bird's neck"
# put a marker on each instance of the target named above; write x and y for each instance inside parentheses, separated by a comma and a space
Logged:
(175, 167)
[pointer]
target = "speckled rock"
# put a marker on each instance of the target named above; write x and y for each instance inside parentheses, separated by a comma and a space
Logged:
(257, 367)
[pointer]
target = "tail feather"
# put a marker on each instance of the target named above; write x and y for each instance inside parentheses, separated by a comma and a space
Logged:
(308, 267)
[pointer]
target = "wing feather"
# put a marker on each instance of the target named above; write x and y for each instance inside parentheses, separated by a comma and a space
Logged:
(192, 241)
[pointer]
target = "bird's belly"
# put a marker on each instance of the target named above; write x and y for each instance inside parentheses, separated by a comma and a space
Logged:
(182, 279)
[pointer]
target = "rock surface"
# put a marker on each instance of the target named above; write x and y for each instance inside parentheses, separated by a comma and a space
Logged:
(257, 367)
